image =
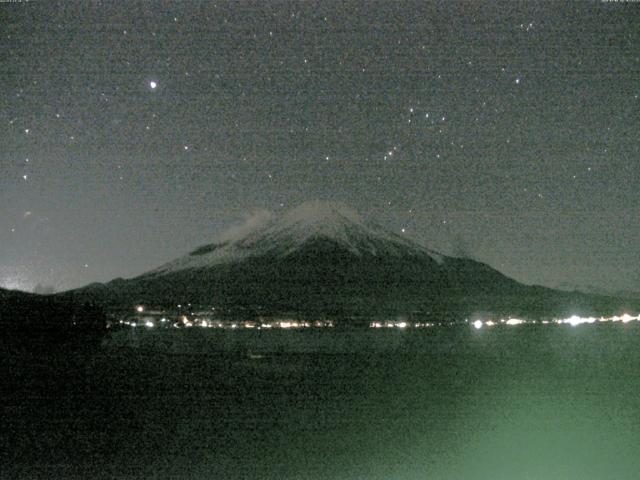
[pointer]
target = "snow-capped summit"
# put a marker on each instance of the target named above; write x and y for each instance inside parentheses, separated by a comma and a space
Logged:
(319, 212)
(315, 219)
(282, 234)
(323, 258)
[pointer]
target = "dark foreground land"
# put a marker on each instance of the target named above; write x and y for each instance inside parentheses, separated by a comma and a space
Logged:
(453, 403)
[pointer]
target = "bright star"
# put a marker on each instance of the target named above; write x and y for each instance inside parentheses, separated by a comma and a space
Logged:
(153, 85)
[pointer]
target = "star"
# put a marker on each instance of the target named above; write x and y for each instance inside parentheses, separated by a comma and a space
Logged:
(153, 85)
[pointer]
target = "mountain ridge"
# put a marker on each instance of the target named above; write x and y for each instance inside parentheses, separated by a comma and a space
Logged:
(325, 259)
(282, 234)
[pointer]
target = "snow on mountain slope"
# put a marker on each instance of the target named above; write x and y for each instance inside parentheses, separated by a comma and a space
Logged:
(283, 234)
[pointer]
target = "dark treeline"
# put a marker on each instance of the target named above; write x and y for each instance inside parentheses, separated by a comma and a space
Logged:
(44, 323)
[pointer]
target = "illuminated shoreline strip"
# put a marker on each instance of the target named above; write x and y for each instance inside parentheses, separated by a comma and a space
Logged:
(185, 322)
(574, 320)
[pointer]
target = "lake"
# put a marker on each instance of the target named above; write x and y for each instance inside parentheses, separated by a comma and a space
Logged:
(526, 402)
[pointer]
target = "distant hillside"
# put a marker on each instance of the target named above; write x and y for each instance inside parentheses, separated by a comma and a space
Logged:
(591, 289)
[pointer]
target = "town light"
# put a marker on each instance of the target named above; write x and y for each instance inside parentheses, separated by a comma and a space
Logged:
(515, 321)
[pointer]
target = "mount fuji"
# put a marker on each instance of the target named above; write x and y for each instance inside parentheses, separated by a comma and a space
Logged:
(296, 230)
(323, 258)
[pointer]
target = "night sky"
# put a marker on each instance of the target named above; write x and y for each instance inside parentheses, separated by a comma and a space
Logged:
(133, 132)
